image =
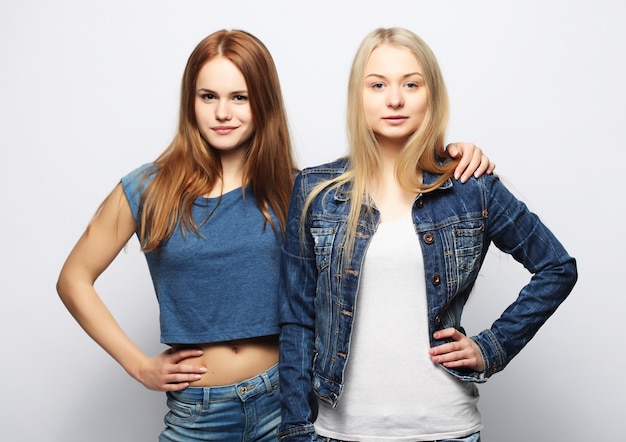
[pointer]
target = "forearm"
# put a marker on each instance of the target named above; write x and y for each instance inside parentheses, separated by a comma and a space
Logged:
(94, 317)
(519, 323)
(517, 231)
(297, 341)
(296, 388)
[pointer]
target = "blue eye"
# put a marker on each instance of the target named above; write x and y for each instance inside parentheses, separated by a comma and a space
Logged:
(377, 86)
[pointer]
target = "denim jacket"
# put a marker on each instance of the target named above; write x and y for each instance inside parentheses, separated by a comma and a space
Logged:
(456, 224)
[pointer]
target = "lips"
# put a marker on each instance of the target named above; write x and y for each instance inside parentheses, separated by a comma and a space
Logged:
(223, 130)
(395, 119)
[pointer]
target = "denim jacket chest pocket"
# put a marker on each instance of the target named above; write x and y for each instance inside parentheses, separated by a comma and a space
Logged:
(453, 255)
(323, 239)
(467, 238)
(463, 247)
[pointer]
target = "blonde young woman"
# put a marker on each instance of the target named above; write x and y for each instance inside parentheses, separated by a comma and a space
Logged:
(210, 214)
(381, 252)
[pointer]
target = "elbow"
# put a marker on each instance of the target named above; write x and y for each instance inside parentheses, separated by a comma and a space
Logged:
(573, 271)
(568, 275)
(64, 286)
(61, 286)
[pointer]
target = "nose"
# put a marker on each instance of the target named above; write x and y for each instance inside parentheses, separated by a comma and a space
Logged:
(222, 112)
(395, 100)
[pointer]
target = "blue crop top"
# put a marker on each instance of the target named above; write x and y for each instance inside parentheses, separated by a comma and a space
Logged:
(222, 284)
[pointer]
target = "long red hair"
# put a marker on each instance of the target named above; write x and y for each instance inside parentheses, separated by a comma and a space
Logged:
(190, 167)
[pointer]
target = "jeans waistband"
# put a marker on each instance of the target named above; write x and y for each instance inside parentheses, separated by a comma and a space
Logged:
(266, 382)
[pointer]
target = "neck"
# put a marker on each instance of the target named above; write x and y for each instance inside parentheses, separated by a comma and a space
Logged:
(390, 198)
(389, 155)
(232, 172)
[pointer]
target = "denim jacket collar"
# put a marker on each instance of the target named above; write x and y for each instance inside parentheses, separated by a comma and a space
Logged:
(342, 193)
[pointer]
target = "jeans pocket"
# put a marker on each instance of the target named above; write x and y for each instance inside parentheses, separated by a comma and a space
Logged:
(181, 411)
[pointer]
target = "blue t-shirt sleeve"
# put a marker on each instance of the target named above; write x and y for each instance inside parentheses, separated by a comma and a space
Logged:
(134, 185)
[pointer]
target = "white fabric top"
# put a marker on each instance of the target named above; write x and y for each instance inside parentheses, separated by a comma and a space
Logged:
(393, 391)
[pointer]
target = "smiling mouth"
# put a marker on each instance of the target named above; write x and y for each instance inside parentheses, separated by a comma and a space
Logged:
(223, 130)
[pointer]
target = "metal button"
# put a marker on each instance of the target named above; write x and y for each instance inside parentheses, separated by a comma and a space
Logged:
(429, 238)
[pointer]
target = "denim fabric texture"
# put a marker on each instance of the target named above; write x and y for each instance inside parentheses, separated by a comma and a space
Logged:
(456, 225)
(246, 411)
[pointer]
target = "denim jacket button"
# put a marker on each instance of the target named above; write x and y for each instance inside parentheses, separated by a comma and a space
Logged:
(420, 203)
(429, 238)
(436, 279)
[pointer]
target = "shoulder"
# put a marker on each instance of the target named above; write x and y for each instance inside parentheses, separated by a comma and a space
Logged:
(338, 166)
(311, 177)
(483, 183)
(323, 172)
(140, 176)
(488, 191)
(475, 192)
(136, 182)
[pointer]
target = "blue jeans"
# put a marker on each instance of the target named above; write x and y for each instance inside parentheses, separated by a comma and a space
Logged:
(471, 438)
(246, 411)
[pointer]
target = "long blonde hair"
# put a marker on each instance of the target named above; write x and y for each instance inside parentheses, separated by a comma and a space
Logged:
(190, 167)
(423, 151)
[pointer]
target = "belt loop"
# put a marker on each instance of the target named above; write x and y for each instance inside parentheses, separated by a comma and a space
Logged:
(268, 384)
(206, 399)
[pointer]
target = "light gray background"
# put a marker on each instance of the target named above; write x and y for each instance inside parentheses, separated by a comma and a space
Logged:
(90, 90)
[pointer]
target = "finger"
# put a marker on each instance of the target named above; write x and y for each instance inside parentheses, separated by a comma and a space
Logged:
(482, 166)
(450, 353)
(174, 386)
(176, 378)
(444, 357)
(446, 333)
(474, 164)
(462, 353)
(457, 363)
(453, 150)
(464, 163)
(461, 168)
(441, 349)
(491, 168)
(464, 360)
(188, 368)
(180, 355)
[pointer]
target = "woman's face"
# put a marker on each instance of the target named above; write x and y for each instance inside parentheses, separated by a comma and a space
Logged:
(394, 95)
(222, 107)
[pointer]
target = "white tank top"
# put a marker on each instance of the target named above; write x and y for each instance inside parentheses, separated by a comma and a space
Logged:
(393, 391)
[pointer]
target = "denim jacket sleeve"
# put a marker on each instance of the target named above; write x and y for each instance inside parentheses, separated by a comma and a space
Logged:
(518, 232)
(297, 319)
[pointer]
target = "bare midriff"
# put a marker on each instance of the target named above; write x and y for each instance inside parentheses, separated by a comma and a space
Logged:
(233, 361)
